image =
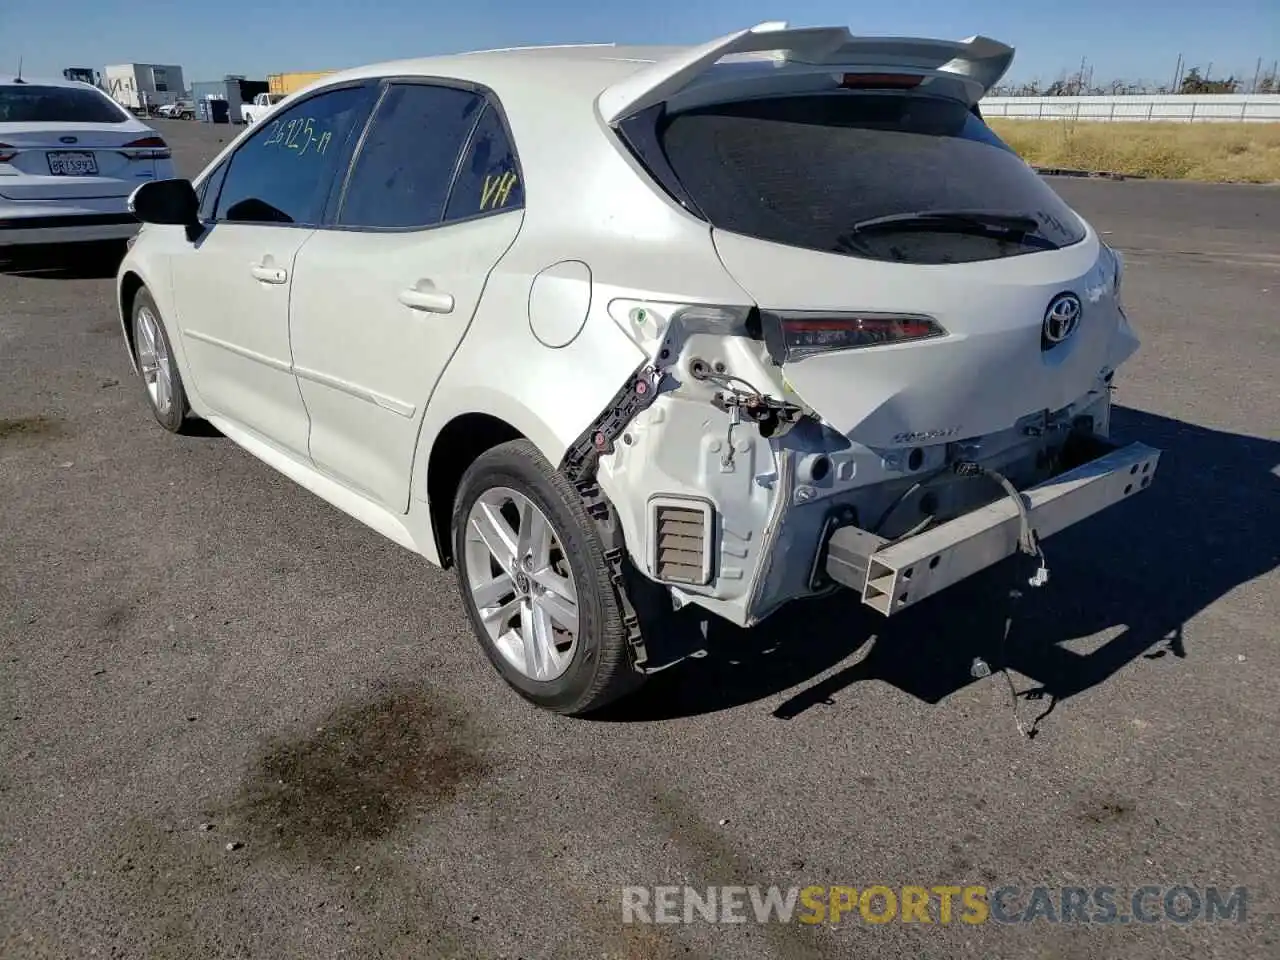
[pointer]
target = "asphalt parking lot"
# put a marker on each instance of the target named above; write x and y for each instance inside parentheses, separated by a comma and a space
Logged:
(235, 723)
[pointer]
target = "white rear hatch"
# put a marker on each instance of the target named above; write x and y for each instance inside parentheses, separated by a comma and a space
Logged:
(71, 142)
(904, 259)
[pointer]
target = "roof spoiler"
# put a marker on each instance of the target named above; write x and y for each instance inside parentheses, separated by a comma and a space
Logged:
(980, 60)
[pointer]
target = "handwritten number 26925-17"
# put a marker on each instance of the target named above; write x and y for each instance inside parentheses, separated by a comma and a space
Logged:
(299, 135)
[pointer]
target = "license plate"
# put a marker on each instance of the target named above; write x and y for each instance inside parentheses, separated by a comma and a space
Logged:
(70, 163)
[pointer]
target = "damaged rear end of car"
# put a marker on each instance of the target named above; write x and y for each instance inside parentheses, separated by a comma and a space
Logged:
(917, 381)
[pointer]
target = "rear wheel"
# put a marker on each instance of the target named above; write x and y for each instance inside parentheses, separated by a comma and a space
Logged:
(532, 573)
(164, 389)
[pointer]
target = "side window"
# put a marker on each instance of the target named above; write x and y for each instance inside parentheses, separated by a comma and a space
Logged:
(282, 173)
(401, 177)
(209, 191)
(489, 178)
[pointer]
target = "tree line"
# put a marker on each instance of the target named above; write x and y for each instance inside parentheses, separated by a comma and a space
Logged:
(1194, 81)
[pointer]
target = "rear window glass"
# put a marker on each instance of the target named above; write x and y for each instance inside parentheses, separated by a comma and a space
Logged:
(806, 170)
(30, 103)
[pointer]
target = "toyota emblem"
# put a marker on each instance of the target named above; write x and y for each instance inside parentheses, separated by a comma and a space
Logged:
(1061, 318)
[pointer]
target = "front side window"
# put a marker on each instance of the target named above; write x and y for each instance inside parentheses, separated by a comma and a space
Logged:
(208, 192)
(33, 103)
(910, 179)
(401, 177)
(283, 172)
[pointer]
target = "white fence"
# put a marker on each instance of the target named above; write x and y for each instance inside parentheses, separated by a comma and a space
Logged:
(1174, 108)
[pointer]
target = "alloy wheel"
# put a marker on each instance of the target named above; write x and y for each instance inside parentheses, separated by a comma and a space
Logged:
(153, 360)
(521, 583)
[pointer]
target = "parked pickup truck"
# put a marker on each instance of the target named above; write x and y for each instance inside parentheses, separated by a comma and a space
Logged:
(262, 104)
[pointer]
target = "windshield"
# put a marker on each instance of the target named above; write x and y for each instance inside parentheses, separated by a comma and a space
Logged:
(31, 103)
(812, 171)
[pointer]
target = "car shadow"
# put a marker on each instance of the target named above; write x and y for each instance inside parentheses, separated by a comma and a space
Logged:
(196, 428)
(98, 260)
(1135, 573)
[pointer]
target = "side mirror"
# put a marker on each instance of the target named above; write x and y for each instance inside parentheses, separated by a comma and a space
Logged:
(171, 202)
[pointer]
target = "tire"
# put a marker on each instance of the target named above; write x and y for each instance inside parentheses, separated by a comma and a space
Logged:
(580, 675)
(153, 352)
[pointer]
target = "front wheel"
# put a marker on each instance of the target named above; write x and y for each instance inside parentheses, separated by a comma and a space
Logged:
(166, 395)
(532, 573)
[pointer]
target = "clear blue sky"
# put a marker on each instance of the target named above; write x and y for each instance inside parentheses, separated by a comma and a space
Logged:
(1131, 39)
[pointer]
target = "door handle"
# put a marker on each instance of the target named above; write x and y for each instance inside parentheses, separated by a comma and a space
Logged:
(429, 300)
(268, 274)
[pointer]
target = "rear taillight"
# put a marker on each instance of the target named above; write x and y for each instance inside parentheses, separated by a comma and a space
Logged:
(147, 148)
(793, 336)
(7, 153)
(788, 335)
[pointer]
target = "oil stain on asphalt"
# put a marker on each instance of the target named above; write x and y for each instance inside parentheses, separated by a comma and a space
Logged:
(1105, 809)
(28, 428)
(361, 773)
(320, 800)
(116, 617)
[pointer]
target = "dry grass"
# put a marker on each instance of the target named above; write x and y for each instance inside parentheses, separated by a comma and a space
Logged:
(1214, 152)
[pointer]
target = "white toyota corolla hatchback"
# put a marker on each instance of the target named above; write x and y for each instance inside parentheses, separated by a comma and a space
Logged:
(612, 331)
(70, 156)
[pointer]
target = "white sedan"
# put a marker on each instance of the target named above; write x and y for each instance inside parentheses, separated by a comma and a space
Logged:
(613, 331)
(178, 110)
(70, 156)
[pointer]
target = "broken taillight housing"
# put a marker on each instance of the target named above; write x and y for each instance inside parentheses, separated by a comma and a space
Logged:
(648, 322)
(147, 148)
(793, 336)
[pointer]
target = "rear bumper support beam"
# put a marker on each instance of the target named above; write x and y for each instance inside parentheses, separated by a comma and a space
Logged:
(893, 576)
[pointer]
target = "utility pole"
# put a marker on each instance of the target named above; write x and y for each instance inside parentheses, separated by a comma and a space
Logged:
(1177, 75)
(1257, 72)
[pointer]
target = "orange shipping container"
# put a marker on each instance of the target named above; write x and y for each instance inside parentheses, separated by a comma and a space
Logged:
(288, 83)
